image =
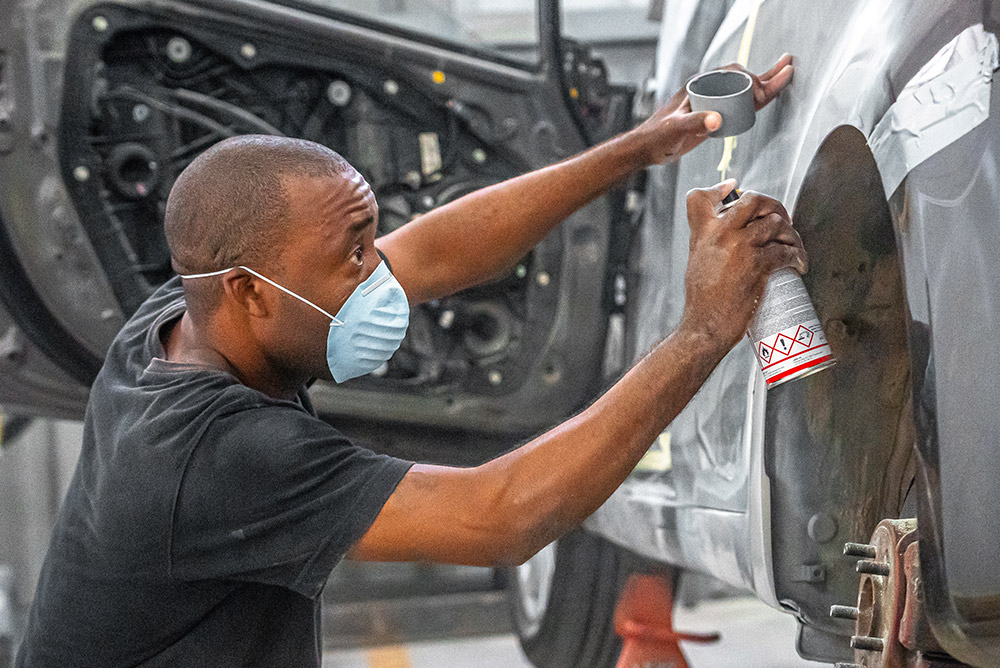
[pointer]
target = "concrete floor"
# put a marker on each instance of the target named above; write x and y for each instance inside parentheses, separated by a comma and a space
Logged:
(753, 636)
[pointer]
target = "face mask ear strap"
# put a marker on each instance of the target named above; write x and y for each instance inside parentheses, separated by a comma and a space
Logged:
(333, 319)
(207, 274)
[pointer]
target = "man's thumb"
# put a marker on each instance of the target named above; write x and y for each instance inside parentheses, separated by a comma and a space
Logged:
(701, 122)
(705, 201)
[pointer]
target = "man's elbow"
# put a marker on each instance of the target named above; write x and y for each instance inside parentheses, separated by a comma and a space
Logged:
(522, 538)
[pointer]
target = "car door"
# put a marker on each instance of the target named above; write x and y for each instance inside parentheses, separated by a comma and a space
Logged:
(102, 104)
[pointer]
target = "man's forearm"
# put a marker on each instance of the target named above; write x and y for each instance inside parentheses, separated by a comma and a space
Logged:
(593, 453)
(484, 233)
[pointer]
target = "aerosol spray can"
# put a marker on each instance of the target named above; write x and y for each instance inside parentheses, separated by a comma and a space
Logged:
(786, 334)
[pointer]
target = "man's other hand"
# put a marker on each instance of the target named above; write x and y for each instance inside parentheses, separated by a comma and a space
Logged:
(732, 254)
(674, 129)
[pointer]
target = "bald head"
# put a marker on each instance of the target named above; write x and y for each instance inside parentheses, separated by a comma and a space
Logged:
(231, 206)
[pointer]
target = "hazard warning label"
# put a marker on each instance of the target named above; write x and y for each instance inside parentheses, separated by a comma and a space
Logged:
(793, 351)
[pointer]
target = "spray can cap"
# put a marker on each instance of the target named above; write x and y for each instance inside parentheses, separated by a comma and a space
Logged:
(733, 195)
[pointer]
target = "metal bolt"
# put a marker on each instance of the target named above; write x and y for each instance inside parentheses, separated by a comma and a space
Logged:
(479, 155)
(844, 612)
(178, 50)
(81, 173)
(446, 319)
(427, 201)
(248, 51)
(868, 643)
(414, 180)
(100, 23)
(495, 377)
(543, 279)
(872, 567)
(390, 87)
(822, 528)
(859, 550)
(140, 113)
(520, 271)
(338, 93)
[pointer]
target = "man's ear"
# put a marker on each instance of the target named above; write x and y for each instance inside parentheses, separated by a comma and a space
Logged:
(246, 292)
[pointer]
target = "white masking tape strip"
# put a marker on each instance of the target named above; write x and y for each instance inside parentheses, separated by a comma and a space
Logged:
(946, 99)
(742, 57)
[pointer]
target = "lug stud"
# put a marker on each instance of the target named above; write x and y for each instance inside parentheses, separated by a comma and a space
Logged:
(844, 612)
(867, 643)
(872, 567)
(859, 550)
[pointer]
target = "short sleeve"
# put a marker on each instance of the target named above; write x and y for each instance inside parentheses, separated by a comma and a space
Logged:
(274, 495)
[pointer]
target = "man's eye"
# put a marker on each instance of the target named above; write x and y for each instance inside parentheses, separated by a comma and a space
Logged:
(358, 257)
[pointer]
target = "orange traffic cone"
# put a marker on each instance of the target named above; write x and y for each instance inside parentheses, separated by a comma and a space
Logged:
(644, 620)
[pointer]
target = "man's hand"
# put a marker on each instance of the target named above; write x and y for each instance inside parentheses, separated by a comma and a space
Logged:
(435, 256)
(732, 254)
(674, 129)
(505, 510)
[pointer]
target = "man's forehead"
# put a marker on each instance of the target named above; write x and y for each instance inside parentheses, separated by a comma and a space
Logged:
(367, 207)
(344, 198)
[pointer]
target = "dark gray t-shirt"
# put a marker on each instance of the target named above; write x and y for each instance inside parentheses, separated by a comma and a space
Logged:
(202, 521)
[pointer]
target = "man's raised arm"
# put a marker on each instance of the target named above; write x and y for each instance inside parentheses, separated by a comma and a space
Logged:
(435, 255)
(505, 510)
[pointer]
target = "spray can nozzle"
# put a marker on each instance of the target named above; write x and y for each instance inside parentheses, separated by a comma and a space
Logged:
(728, 200)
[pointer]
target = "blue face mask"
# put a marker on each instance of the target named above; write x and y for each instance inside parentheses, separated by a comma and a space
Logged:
(367, 329)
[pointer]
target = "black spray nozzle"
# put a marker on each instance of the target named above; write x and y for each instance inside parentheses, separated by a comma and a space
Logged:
(733, 195)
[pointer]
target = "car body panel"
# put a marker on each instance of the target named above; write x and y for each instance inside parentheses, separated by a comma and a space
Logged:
(768, 506)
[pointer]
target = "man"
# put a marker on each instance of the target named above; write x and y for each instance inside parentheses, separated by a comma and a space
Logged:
(210, 504)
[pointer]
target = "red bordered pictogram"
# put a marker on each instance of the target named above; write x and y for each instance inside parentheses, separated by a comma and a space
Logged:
(783, 344)
(803, 336)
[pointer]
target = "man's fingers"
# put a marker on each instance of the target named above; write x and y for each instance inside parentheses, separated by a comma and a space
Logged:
(776, 256)
(773, 228)
(786, 59)
(767, 86)
(770, 87)
(752, 205)
(703, 203)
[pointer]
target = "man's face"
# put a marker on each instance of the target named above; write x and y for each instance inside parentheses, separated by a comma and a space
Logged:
(329, 251)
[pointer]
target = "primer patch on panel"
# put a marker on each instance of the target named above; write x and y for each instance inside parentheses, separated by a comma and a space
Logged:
(947, 98)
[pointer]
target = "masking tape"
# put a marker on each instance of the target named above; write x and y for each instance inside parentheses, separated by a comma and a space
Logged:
(946, 99)
(742, 57)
